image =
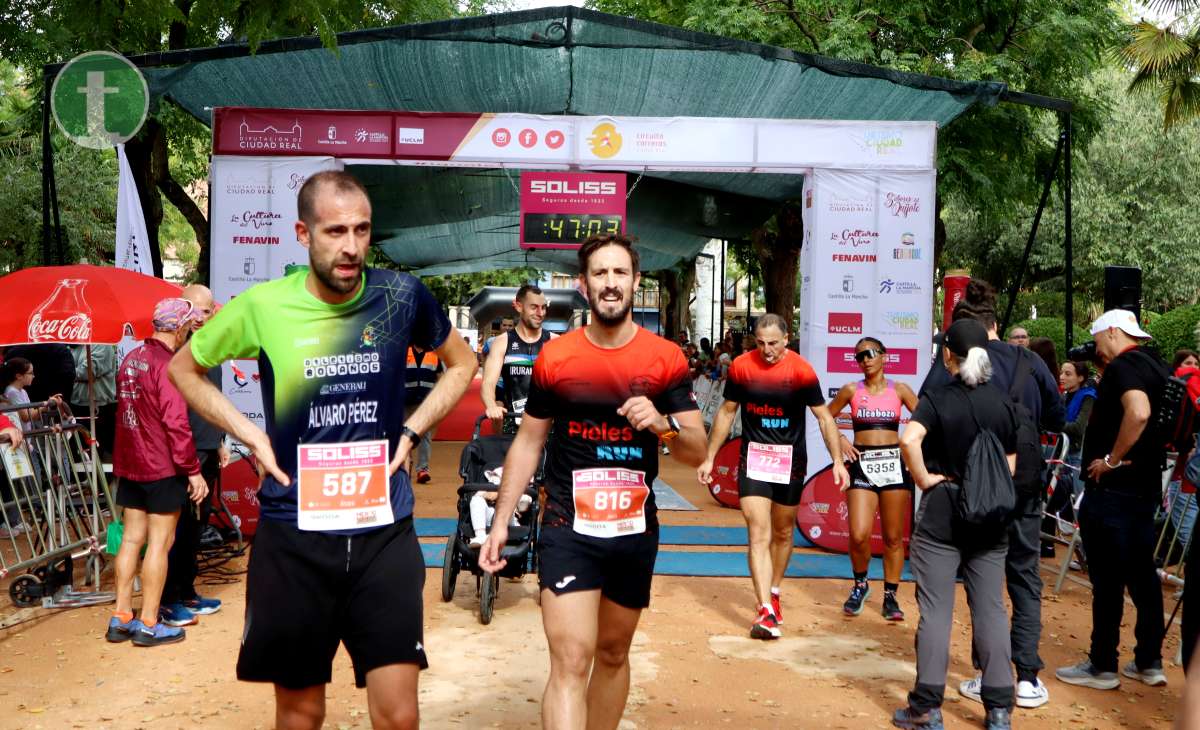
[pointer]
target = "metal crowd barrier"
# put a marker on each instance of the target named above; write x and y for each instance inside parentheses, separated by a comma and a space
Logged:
(55, 508)
(1065, 530)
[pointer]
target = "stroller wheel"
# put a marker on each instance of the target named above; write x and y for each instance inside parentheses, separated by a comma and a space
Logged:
(449, 570)
(487, 597)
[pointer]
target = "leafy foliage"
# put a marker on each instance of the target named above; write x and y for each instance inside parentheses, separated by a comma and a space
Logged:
(1166, 60)
(1055, 328)
(1175, 330)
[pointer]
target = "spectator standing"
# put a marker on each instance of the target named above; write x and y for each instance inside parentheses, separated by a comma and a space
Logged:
(423, 368)
(104, 391)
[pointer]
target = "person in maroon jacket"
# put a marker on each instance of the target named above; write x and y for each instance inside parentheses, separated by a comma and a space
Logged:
(155, 458)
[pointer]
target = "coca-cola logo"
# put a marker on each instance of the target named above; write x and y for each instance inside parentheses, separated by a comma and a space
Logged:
(902, 205)
(856, 237)
(256, 218)
(73, 328)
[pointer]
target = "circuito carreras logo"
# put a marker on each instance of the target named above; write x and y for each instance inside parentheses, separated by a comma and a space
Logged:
(605, 141)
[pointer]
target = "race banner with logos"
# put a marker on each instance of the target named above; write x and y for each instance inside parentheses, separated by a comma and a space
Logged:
(561, 142)
(866, 271)
(253, 239)
(561, 209)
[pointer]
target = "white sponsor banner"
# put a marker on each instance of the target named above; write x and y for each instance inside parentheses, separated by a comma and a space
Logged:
(867, 271)
(533, 139)
(846, 145)
(670, 143)
(253, 239)
(133, 242)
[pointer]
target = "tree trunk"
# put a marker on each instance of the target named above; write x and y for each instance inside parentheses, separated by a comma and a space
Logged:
(780, 254)
(939, 235)
(682, 307)
(668, 295)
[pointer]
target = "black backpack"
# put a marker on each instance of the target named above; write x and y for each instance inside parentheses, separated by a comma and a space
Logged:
(987, 496)
(1173, 417)
(1031, 463)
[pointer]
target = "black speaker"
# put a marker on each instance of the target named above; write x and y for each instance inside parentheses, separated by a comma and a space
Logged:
(1123, 289)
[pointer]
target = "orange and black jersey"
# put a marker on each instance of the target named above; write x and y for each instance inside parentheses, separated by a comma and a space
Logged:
(773, 399)
(581, 386)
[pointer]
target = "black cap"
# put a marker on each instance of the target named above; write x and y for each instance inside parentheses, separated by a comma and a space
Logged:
(963, 335)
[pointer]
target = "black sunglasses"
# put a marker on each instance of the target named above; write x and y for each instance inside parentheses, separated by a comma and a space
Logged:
(863, 355)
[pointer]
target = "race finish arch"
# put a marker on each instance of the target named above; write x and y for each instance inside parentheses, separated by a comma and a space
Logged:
(867, 261)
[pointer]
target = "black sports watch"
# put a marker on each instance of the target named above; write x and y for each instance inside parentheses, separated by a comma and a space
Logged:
(411, 435)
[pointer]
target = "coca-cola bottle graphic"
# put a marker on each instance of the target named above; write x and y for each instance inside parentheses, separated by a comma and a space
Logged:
(64, 316)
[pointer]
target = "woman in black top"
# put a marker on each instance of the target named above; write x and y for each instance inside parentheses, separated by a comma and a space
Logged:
(935, 445)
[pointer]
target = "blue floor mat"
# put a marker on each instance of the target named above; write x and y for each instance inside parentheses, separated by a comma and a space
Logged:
(733, 565)
(668, 534)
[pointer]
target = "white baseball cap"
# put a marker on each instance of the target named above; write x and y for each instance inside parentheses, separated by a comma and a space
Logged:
(1123, 320)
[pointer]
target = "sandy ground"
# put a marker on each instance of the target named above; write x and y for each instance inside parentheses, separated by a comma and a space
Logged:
(693, 665)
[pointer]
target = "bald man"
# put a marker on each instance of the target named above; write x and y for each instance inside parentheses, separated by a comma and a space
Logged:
(180, 603)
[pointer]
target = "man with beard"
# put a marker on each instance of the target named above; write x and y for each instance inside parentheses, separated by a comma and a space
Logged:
(336, 558)
(511, 357)
(612, 391)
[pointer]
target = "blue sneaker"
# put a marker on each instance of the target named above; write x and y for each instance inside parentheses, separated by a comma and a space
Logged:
(910, 719)
(203, 606)
(176, 614)
(159, 633)
(118, 632)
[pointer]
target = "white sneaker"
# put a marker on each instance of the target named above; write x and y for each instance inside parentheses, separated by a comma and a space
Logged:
(1030, 695)
(972, 689)
(1153, 676)
(478, 540)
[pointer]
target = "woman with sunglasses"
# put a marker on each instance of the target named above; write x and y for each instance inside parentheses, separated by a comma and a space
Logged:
(877, 477)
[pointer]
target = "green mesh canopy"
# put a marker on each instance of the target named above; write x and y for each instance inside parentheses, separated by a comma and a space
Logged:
(557, 61)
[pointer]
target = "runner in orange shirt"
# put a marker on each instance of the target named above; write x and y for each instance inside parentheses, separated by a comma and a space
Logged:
(773, 385)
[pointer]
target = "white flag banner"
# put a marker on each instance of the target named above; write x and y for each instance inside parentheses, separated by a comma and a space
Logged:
(133, 242)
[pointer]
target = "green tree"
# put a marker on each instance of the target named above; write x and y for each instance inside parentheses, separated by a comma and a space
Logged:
(171, 149)
(1166, 59)
(990, 159)
(1133, 203)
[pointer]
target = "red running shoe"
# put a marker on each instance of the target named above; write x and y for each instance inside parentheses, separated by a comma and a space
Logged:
(777, 609)
(423, 476)
(766, 626)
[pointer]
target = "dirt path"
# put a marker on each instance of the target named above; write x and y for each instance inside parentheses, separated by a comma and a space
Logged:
(692, 663)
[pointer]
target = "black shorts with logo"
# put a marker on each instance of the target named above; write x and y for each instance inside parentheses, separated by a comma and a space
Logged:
(620, 567)
(859, 480)
(160, 497)
(309, 591)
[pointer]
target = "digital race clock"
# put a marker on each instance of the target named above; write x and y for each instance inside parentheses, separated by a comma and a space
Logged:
(568, 229)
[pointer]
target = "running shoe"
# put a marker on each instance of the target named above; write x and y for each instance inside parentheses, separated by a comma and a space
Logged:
(908, 718)
(1085, 674)
(176, 614)
(891, 607)
(119, 631)
(971, 688)
(1153, 676)
(159, 633)
(1032, 694)
(203, 606)
(423, 476)
(998, 718)
(858, 598)
(776, 608)
(766, 626)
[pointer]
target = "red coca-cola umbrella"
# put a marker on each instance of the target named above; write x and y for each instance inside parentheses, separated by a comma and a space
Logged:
(78, 305)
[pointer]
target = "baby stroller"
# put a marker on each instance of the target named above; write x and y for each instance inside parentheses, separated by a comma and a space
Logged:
(483, 454)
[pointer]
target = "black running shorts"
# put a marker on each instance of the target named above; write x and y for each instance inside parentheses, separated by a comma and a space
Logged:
(620, 567)
(309, 591)
(162, 496)
(787, 495)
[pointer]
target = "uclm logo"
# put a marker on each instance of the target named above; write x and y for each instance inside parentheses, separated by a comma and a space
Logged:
(566, 187)
(845, 323)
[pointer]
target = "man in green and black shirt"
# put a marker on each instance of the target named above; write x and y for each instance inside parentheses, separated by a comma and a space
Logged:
(335, 559)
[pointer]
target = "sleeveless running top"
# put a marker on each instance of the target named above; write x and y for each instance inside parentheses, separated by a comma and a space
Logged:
(517, 371)
(875, 412)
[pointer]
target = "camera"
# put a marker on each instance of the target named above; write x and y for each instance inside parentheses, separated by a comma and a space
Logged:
(1083, 353)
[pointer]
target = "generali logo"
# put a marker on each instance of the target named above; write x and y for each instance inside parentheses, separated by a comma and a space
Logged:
(902, 205)
(845, 323)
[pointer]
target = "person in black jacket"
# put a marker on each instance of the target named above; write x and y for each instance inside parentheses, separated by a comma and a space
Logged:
(1027, 380)
(935, 445)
